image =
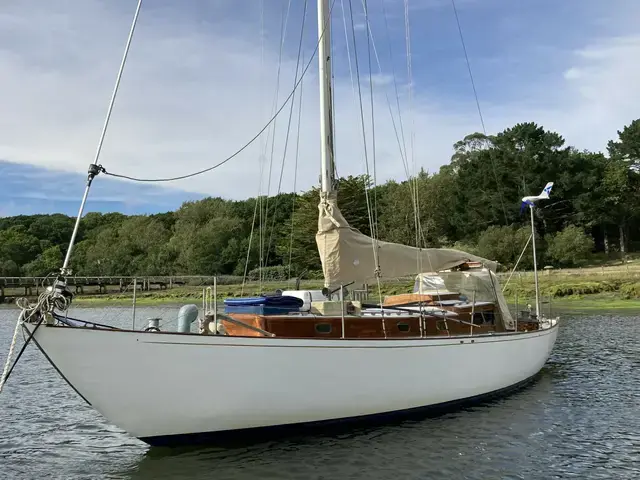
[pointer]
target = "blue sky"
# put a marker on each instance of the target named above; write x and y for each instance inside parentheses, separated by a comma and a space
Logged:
(201, 81)
(33, 190)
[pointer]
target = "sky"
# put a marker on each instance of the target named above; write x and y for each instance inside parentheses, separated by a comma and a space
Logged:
(202, 78)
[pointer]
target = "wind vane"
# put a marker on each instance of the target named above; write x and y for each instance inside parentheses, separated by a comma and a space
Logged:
(531, 200)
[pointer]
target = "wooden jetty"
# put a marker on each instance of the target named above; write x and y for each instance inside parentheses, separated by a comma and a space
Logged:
(34, 285)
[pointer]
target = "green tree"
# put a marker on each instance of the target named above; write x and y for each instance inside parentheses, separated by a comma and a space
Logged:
(493, 173)
(18, 246)
(505, 244)
(627, 147)
(207, 250)
(9, 268)
(352, 200)
(396, 221)
(621, 181)
(473, 202)
(571, 247)
(300, 242)
(49, 261)
(55, 228)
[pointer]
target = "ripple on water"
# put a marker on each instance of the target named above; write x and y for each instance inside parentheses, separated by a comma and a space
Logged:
(580, 419)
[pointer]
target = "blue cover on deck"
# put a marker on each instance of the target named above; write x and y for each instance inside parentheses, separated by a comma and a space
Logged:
(282, 301)
(260, 309)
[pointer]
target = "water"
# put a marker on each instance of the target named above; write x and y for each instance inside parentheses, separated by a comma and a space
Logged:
(580, 419)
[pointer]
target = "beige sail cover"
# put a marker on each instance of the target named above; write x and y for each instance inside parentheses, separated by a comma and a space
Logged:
(349, 256)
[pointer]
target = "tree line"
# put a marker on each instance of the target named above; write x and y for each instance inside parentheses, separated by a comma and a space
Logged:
(472, 203)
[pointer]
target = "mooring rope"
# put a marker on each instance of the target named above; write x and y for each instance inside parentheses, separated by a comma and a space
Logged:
(14, 340)
(47, 302)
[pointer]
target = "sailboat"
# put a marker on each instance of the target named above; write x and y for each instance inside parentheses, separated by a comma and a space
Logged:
(328, 359)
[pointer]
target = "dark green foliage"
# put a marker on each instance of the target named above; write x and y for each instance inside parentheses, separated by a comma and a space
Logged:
(571, 247)
(47, 262)
(18, 245)
(505, 244)
(472, 204)
(627, 147)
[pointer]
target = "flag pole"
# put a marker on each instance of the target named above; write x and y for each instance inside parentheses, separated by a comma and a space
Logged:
(535, 263)
(531, 202)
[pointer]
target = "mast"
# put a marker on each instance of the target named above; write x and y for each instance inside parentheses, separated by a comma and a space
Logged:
(326, 117)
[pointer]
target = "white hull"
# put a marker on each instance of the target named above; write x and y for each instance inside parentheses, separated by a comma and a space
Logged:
(164, 384)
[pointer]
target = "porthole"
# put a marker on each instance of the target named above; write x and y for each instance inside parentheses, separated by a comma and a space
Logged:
(323, 328)
(403, 326)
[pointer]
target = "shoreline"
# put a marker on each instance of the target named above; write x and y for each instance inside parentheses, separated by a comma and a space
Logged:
(567, 304)
(568, 292)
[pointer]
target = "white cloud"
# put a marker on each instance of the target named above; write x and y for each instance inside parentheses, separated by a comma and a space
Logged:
(194, 92)
(601, 94)
(573, 73)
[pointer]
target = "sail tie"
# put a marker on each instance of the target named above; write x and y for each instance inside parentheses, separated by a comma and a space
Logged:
(327, 210)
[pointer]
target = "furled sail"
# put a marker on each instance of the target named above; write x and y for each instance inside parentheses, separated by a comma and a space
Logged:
(349, 256)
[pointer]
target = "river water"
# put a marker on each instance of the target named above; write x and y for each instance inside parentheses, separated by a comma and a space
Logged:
(580, 419)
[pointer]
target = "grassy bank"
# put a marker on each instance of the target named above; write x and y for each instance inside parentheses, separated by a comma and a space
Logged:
(573, 290)
(591, 303)
(577, 290)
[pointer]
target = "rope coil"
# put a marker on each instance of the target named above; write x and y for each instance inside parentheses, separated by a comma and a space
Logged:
(47, 302)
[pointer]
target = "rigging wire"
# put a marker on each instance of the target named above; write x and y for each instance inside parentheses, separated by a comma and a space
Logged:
(286, 143)
(414, 192)
(466, 57)
(263, 226)
(246, 261)
(400, 137)
(362, 124)
(295, 177)
(94, 168)
(399, 134)
(377, 57)
(260, 150)
(395, 86)
(346, 40)
(374, 220)
(373, 128)
(374, 241)
(370, 44)
(516, 265)
(250, 141)
(475, 94)
(263, 149)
